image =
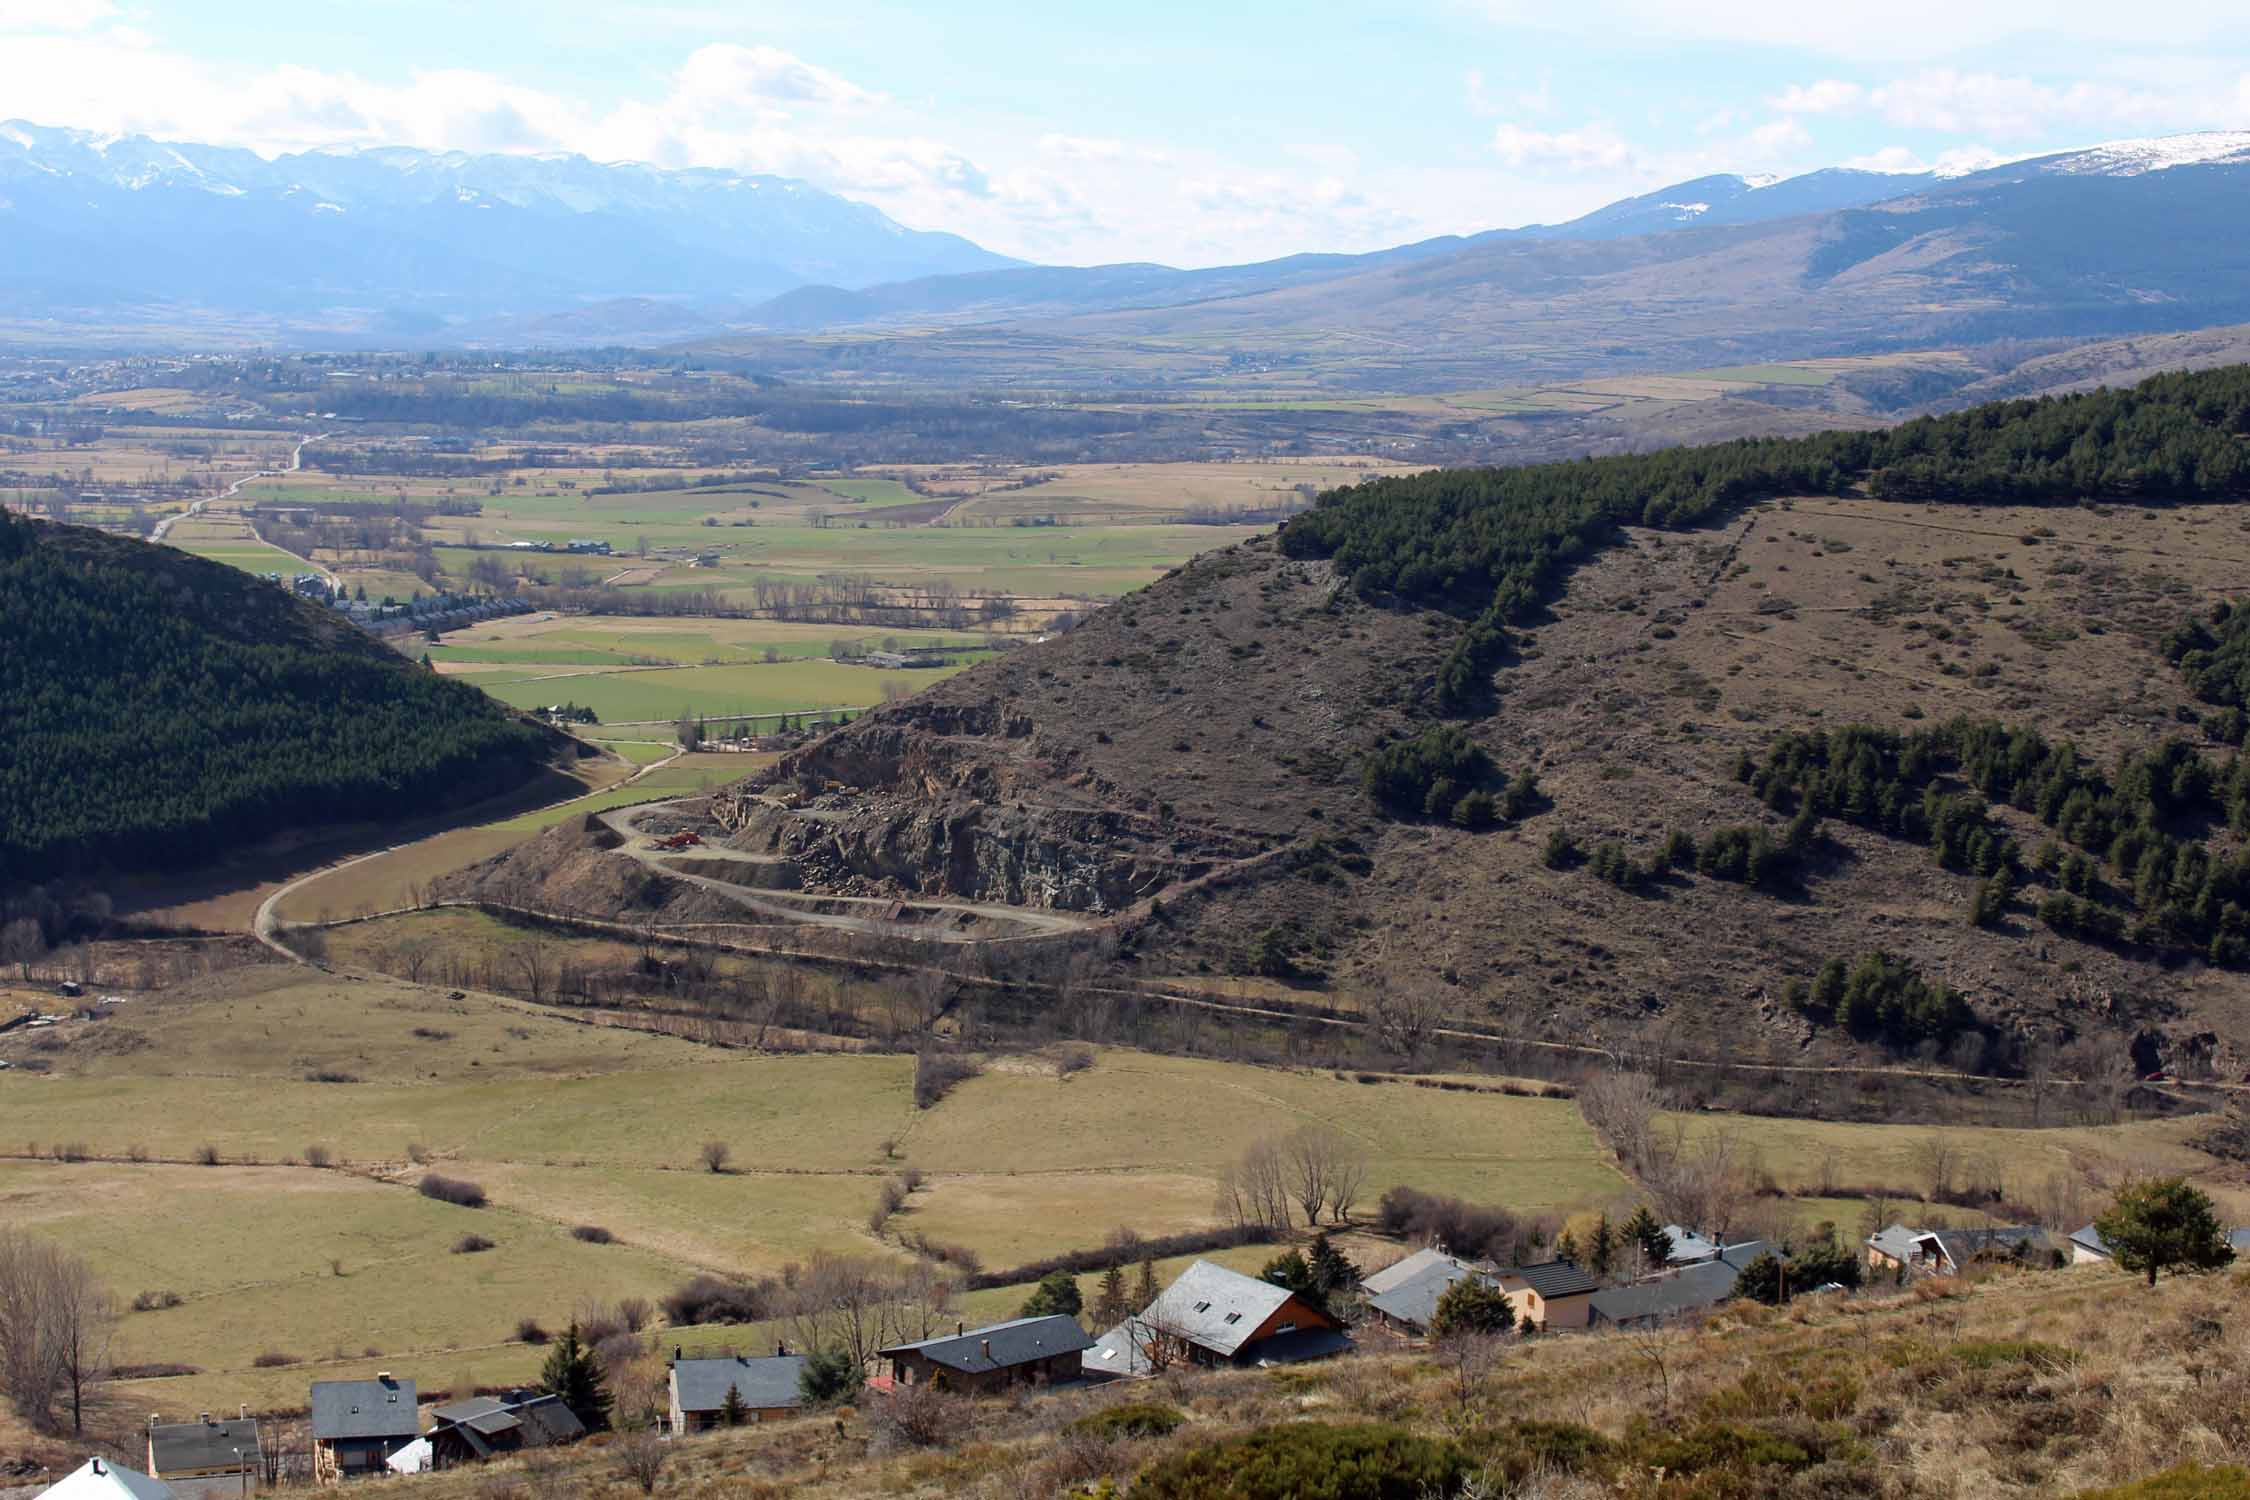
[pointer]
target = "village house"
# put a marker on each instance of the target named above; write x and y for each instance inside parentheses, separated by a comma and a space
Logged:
(1663, 1299)
(1552, 1295)
(1212, 1316)
(358, 1424)
(767, 1388)
(1023, 1351)
(1948, 1252)
(1404, 1296)
(481, 1427)
(99, 1479)
(205, 1450)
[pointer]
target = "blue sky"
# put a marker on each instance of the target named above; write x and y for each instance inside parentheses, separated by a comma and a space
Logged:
(1193, 133)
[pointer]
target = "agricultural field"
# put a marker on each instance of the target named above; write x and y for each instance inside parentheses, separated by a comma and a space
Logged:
(653, 695)
(605, 640)
(565, 1124)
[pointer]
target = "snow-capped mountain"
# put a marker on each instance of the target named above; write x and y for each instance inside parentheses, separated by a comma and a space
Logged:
(105, 229)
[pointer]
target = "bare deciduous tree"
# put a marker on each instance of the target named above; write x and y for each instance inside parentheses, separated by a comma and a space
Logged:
(535, 964)
(1405, 1014)
(715, 1156)
(640, 1458)
(1309, 1158)
(1622, 1108)
(1935, 1158)
(22, 944)
(55, 1321)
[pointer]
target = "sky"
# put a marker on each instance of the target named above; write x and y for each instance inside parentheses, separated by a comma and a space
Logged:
(1180, 131)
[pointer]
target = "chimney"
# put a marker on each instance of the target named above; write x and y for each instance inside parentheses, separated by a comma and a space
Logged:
(959, 1329)
(245, 1411)
(384, 1376)
(153, 1419)
(987, 1343)
(97, 1463)
(206, 1418)
(677, 1356)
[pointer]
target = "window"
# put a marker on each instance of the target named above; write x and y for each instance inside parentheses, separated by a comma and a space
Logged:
(1289, 1327)
(1202, 1307)
(1234, 1317)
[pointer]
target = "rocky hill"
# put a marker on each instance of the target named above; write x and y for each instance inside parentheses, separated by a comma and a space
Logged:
(164, 711)
(1563, 752)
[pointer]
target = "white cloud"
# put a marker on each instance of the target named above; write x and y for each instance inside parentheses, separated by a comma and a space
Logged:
(53, 15)
(1943, 99)
(1588, 148)
(1893, 29)
(1778, 138)
(724, 75)
(1827, 97)
(1951, 163)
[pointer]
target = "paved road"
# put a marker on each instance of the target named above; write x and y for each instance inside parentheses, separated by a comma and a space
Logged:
(195, 507)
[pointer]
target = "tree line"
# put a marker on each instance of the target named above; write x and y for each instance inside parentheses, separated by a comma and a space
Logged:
(1492, 544)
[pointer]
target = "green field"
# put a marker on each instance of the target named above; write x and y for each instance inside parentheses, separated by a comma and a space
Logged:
(714, 692)
(570, 642)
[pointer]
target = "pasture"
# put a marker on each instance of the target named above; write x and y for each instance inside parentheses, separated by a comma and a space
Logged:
(651, 695)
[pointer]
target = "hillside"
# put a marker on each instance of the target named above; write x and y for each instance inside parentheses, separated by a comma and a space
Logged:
(2142, 237)
(1301, 759)
(165, 711)
(2058, 1383)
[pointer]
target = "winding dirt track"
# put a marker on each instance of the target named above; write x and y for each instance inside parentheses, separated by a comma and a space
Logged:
(793, 907)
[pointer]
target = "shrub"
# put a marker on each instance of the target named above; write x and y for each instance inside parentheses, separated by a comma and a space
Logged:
(1135, 1419)
(529, 1332)
(470, 1244)
(457, 1191)
(1476, 1230)
(935, 1074)
(160, 1371)
(330, 1075)
(433, 1034)
(1522, 1449)
(593, 1234)
(634, 1312)
(207, 1156)
(152, 1301)
(273, 1360)
(1308, 1461)
(715, 1154)
(715, 1299)
(319, 1156)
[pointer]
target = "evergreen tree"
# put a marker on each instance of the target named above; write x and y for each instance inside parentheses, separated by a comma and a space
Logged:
(828, 1376)
(1643, 1230)
(1566, 1247)
(1331, 1271)
(1057, 1292)
(1110, 1305)
(1144, 1288)
(1296, 1273)
(2162, 1224)
(732, 1413)
(1472, 1305)
(1601, 1249)
(573, 1373)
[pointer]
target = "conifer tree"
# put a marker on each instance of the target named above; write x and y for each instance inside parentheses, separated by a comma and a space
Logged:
(573, 1373)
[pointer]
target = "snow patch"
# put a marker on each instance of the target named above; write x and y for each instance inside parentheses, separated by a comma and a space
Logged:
(328, 208)
(1688, 210)
(1761, 180)
(2155, 154)
(19, 137)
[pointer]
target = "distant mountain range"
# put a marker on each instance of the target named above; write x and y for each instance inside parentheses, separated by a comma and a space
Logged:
(108, 232)
(191, 242)
(2131, 237)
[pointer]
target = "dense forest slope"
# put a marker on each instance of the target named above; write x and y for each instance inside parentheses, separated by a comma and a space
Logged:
(163, 711)
(1918, 743)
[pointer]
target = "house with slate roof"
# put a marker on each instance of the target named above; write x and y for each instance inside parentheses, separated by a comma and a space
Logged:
(204, 1450)
(1947, 1252)
(99, 1479)
(1664, 1299)
(1408, 1303)
(482, 1427)
(1212, 1316)
(1554, 1294)
(766, 1387)
(1021, 1351)
(358, 1424)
